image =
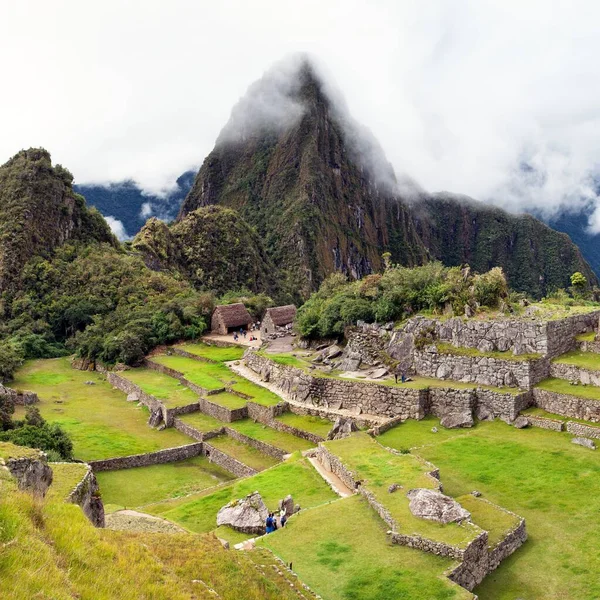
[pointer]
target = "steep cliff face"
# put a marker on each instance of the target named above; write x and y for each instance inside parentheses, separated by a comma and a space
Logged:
(298, 179)
(535, 258)
(322, 196)
(39, 211)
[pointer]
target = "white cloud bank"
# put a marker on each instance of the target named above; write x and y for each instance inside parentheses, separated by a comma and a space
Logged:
(497, 100)
(117, 228)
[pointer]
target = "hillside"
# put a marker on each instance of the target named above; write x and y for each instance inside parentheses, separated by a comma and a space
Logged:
(323, 197)
(39, 211)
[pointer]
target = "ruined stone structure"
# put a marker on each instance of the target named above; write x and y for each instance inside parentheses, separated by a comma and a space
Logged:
(87, 495)
(277, 320)
(31, 471)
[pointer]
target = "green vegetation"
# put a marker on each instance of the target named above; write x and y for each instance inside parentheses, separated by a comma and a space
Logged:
(586, 337)
(534, 411)
(315, 425)
(286, 359)
(541, 476)
(296, 477)
(227, 400)
(562, 386)
(398, 293)
(101, 423)
(341, 551)
(216, 353)
(161, 386)
(378, 468)
(65, 476)
(10, 450)
(446, 348)
(143, 485)
(263, 433)
(246, 454)
(201, 422)
(586, 360)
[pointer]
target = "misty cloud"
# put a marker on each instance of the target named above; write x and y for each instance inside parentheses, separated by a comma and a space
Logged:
(117, 228)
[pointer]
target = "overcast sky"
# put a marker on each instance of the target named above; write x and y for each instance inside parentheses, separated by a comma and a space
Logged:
(458, 93)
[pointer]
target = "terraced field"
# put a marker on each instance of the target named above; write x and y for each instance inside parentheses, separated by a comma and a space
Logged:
(167, 389)
(243, 452)
(279, 439)
(315, 425)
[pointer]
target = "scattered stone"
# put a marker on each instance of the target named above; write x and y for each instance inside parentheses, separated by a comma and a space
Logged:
(476, 493)
(379, 373)
(247, 515)
(520, 422)
(155, 418)
(585, 442)
(342, 428)
(394, 487)
(296, 508)
(133, 397)
(90, 383)
(456, 420)
(485, 346)
(349, 364)
(287, 504)
(434, 430)
(483, 413)
(435, 506)
(224, 543)
(331, 352)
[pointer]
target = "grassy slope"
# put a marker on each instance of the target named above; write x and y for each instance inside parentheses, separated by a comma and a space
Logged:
(279, 439)
(228, 400)
(341, 550)
(201, 422)
(247, 454)
(562, 386)
(378, 468)
(586, 360)
(297, 477)
(161, 386)
(215, 353)
(315, 425)
(143, 485)
(100, 421)
(537, 474)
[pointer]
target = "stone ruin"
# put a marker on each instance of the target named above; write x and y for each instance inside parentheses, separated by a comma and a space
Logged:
(247, 515)
(342, 428)
(435, 506)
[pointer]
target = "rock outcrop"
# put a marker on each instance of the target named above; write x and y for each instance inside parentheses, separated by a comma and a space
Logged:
(247, 515)
(435, 506)
(456, 420)
(341, 428)
(29, 468)
(585, 442)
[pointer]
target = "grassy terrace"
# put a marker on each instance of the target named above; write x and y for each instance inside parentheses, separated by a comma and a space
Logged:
(10, 450)
(315, 425)
(143, 485)
(378, 469)
(97, 417)
(201, 422)
(65, 476)
(244, 453)
(586, 337)
(340, 550)
(586, 360)
(446, 348)
(296, 476)
(228, 400)
(161, 386)
(534, 411)
(279, 439)
(562, 386)
(541, 476)
(215, 353)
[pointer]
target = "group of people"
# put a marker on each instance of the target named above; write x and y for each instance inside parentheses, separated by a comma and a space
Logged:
(244, 333)
(271, 522)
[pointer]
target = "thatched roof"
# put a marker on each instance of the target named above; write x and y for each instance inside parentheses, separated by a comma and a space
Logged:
(282, 315)
(233, 315)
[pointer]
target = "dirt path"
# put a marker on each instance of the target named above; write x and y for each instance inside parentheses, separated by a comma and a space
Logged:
(249, 374)
(242, 341)
(337, 485)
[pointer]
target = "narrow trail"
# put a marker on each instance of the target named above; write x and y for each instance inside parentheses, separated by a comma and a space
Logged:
(337, 485)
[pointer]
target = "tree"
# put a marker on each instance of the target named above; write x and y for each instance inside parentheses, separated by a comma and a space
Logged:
(579, 282)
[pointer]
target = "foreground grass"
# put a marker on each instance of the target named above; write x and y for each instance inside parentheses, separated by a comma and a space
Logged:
(99, 420)
(579, 358)
(315, 425)
(247, 454)
(562, 386)
(341, 551)
(539, 475)
(161, 386)
(263, 433)
(216, 353)
(143, 485)
(297, 477)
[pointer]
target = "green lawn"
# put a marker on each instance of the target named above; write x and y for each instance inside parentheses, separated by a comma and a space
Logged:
(340, 550)
(540, 475)
(586, 337)
(201, 422)
(378, 468)
(247, 454)
(534, 411)
(263, 433)
(315, 425)
(161, 386)
(286, 359)
(447, 348)
(421, 383)
(227, 400)
(65, 476)
(101, 423)
(216, 353)
(579, 358)
(135, 487)
(562, 386)
(296, 477)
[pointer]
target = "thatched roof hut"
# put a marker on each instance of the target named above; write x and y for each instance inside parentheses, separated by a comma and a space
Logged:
(229, 317)
(278, 316)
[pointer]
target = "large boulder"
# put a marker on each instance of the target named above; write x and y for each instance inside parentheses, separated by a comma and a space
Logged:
(585, 442)
(247, 515)
(287, 504)
(520, 422)
(456, 420)
(435, 506)
(342, 428)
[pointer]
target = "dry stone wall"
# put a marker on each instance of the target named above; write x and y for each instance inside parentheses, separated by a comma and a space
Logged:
(87, 494)
(227, 462)
(593, 346)
(567, 406)
(581, 430)
(515, 539)
(222, 413)
(263, 447)
(194, 433)
(265, 414)
(32, 474)
(561, 333)
(179, 376)
(443, 401)
(574, 373)
(546, 423)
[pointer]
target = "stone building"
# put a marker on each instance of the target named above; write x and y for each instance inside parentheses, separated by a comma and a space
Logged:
(230, 317)
(277, 319)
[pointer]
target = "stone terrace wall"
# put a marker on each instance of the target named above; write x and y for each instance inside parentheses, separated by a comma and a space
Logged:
(129, 387)
(194, 433)
(366, 341)
(505, 406)
(222, 413)
(567, 406)
(227, 462)
(574, 373)
(515, 539)
(150, 458)
(265, 414)
(87, 494)
(263, 447)
(580, 429)
(546, 423)
(32, 475)
(561, 333)
(589, 346)
(182, 352)
(443, 401)
(479, 369)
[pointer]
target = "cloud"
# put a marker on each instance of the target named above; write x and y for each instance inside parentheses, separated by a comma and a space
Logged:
(496, 100)
(117, 228)
(146, 210)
